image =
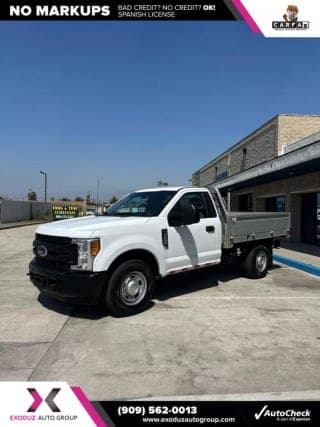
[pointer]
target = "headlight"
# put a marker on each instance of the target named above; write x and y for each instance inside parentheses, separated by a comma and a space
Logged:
(88, 249)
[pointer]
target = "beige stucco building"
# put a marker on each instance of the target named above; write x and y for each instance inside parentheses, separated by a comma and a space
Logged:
(276, 167)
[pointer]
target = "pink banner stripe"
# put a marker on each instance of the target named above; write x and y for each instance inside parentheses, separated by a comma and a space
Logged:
(246, 16)
(88, 407)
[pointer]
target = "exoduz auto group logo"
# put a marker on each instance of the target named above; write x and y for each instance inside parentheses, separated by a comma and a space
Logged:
(46, 403)
(37, 403)
(283, 415)
(37, 400)
(291, 20)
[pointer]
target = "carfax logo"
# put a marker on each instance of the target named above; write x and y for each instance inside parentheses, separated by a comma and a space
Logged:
(292, 14)
(289, 415)
(291, 20)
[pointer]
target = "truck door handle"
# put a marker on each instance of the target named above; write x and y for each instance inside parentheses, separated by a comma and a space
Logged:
(210, 229)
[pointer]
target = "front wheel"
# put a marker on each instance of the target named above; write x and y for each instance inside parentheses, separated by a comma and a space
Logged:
(257, 262)
(130, 288)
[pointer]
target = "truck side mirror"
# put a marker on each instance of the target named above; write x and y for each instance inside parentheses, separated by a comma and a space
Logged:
(186, 216)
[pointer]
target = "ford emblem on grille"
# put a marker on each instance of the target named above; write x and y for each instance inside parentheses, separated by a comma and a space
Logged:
(42, 251)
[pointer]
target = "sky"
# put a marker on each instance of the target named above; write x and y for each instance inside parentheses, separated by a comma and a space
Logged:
(132, 103)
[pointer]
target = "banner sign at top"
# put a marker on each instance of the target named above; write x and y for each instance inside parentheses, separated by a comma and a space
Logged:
(272, 18)
(115, 10)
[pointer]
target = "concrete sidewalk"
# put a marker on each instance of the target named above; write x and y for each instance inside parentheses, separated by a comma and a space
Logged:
(299, 255)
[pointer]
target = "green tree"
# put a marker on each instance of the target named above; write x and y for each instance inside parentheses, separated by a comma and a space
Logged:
(52, 199)
(78, 199)
(32, 195)
(162, 184)
(113, 200)
(65, 199)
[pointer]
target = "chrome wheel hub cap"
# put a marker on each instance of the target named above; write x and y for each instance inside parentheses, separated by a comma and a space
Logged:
(261, 261)
(133, 288)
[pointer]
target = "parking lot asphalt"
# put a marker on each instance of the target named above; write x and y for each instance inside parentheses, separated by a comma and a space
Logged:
(210, 332)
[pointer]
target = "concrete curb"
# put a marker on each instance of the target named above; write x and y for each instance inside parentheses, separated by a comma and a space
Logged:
(8, 226)
(282, 395)
(308, 268)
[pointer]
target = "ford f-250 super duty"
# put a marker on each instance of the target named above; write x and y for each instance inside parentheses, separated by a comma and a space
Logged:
(149, 234)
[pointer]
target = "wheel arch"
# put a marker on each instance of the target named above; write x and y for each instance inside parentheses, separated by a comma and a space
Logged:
(141, 254)
(247, 247)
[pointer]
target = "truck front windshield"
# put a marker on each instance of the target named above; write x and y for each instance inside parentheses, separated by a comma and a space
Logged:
(141, 203)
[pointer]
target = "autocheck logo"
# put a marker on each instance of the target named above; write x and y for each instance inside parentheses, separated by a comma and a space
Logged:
(281, 415)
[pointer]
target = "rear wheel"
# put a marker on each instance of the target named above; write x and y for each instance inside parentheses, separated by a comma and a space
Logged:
(257, 262)
(130, 288)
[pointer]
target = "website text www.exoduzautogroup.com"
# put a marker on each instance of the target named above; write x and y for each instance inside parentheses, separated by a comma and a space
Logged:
(193, 420)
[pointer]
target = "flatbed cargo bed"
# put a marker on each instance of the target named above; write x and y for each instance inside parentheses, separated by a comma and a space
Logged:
(241, 227)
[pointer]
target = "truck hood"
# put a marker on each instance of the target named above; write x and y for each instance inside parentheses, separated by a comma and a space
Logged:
(87, 227)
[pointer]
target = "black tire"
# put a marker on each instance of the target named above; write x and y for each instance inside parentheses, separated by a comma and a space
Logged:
(257, 262)
(270, 255)
(130, 288)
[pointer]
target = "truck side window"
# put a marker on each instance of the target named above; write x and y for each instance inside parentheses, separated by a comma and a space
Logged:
(199, 201)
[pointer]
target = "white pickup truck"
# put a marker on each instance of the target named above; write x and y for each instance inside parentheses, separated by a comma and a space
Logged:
(116, 258)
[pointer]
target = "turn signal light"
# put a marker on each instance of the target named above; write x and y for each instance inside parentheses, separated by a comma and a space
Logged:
(95, 247)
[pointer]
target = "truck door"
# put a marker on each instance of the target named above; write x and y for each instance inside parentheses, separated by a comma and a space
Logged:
(195, 244)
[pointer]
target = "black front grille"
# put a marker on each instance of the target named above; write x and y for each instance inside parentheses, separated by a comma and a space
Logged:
(53, 239)
(61, 252)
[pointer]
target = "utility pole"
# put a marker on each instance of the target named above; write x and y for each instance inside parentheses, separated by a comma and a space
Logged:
(45, 185)
(98, 185)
